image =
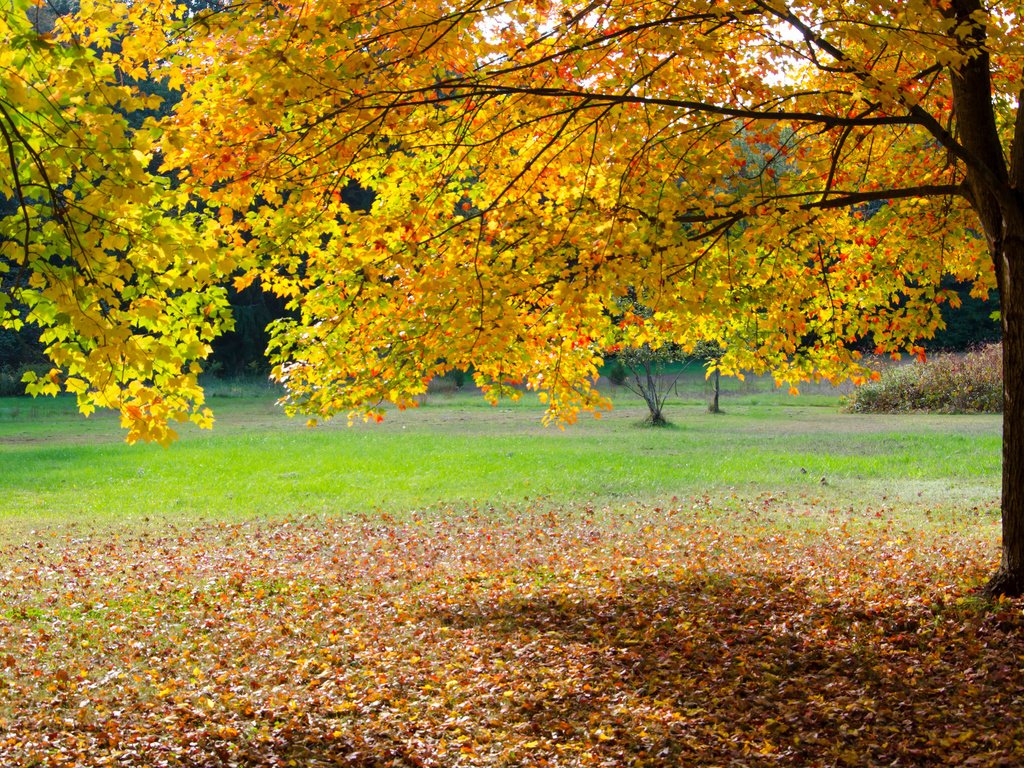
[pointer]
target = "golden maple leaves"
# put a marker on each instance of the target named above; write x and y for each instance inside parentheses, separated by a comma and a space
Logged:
(94, 251)
(761, 178)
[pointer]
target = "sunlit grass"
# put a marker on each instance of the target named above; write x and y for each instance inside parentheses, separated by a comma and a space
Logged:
(457, 450)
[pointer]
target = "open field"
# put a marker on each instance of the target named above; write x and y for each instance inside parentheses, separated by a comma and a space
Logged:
(458, 451)
(460, 586)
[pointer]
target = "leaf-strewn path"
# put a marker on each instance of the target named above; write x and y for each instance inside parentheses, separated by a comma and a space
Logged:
(655, 637)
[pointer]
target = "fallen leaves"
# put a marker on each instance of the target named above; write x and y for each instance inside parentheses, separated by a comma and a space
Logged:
(655, 637)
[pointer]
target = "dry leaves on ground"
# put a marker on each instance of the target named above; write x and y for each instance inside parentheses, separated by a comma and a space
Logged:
(657, 637)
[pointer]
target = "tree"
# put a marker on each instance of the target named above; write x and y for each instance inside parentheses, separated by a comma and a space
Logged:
(644, 369)
(646, 376)
(798, 176)
(94, 249)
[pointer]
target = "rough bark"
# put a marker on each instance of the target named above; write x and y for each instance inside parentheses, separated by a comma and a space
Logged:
(1009, 579)
(994, 190)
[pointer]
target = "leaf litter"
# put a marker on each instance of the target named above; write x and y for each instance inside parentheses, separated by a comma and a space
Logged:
(527, 636)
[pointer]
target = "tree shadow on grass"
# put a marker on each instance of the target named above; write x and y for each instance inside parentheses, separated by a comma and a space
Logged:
(755, 671)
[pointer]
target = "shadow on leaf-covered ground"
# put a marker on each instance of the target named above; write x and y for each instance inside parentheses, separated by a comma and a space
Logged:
(541, 642)
(755, 671)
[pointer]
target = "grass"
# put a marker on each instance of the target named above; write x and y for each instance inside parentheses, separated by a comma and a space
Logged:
(457, 450)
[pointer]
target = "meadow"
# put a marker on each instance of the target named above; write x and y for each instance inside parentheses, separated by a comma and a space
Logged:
(456, 450)
(781, 584)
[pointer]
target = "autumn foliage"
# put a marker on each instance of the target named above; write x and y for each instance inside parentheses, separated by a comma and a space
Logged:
(660, 637)
(96, 250)
(759, 177)
(756, 176)
(532, 164)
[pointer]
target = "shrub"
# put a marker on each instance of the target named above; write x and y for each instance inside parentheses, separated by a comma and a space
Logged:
(11, 384)
(968, 383)
(616, 372)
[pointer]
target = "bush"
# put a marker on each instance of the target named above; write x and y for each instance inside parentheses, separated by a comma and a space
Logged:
(616, 372)
(11, 384)
(969, 383)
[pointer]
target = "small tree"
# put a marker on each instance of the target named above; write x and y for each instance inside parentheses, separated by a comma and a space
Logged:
(646, 372)
(644, 366)
(648, 377)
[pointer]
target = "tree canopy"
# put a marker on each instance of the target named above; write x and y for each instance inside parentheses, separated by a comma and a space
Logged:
(94, 248)
(785, 178)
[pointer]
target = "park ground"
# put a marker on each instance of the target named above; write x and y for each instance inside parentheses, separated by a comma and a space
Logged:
(783, 584)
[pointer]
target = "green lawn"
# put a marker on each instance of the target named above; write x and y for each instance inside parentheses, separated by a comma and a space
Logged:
(458, 451)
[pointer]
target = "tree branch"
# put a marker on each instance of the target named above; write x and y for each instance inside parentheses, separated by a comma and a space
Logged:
(460, 90)
(843, 200)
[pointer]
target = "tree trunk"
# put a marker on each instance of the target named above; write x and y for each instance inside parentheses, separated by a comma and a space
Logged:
(994, 191)
(652, 398)
(1009, 579)
(715, 385)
